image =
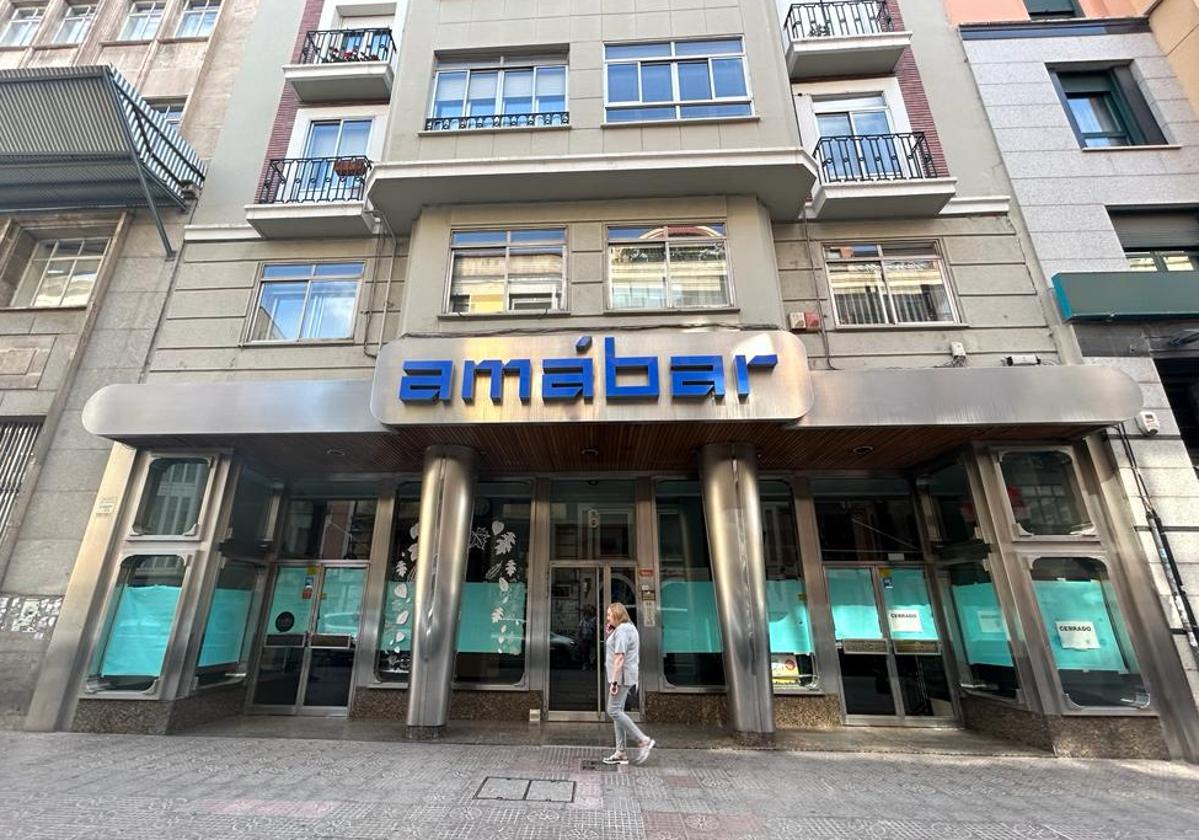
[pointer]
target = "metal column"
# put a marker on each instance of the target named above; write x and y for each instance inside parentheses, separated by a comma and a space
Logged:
(446, 504)
(732, 508)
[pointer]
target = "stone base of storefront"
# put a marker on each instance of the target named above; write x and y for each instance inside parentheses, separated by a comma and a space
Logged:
(141, 717)
(791, 711)
(1072, 737)
(392, 704)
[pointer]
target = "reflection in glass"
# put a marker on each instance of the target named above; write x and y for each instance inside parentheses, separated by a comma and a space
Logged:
(576, 619)
(980, 630)
(953, 506)
(792, 655)
(1044, 496)
(866, 519)
(172, 497)
(394, 657)
(592, 520)
(1087, 633)
(329, 529)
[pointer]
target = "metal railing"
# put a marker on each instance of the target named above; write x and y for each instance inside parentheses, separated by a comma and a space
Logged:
(336, 46)
(549, 118)
(838, 19)
(875, 157)
(309, 180)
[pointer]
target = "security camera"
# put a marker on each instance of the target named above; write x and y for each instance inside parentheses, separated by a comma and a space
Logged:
(1149, 423)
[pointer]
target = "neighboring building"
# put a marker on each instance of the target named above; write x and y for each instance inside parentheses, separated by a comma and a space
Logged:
(1103, 150)
(84, 271)
(490, 314)
(1175, 24)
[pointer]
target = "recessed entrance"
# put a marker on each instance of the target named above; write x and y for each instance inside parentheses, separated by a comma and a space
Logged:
(306, 664)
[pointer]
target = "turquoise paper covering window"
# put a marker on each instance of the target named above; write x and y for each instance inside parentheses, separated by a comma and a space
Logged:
(477, 633)
(909, 609)
(787, 611)
(291, 582)
(689, 622)
(340, 611)
(984, 635)
(226, 628)
(855, 612)
(1072, 602)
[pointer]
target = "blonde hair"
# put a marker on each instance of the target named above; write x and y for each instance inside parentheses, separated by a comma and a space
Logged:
(618, 611)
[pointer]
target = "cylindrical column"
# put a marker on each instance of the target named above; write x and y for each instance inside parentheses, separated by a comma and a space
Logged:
(732, 509)
(447, 495)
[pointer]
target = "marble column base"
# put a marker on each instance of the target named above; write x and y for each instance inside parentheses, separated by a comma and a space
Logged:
(754, 739)
(424, 733)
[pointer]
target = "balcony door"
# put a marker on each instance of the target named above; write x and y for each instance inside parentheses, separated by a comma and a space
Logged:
(856, 139)
(328, 142)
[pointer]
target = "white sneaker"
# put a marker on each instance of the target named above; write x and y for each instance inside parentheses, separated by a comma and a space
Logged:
(643, 752)
(617, 758)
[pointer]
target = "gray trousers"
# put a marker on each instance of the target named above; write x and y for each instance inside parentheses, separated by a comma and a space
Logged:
(621, 722)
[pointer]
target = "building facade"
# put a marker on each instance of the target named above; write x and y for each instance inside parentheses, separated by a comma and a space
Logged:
(491, 314)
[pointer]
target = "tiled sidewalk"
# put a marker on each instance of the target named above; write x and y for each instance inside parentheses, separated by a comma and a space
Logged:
(201, 788)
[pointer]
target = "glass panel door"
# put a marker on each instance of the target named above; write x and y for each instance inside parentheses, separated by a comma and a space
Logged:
(862, 649)
(285, 638)
(916, 644)
(332, 644)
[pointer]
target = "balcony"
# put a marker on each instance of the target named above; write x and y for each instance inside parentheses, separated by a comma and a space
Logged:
(879, 176)
(312, 197)
(842, 39)
(551, 119)
(1127, 295)
(339, 65)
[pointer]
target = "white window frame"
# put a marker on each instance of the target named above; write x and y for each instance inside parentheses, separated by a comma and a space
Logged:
(297, 145)
(299, 341)
(80, 15)
(890, 324)
(562, 304)
(676, 103)
(500, 66)
(30, 25)
(813, 98)
(205, 11)
(667, 298)
(165, 108)
(73, 259)
(138, 17)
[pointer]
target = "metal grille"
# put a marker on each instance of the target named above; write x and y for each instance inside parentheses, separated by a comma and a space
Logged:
(307, 180)
(16, 448)
(832, 20)
(875, 157)
(548, 118)
(336, 46)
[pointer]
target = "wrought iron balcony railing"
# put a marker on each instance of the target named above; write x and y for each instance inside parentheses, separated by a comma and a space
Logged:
(337, 46)
(875, 157)
(549, 118)
(838, 19)
(310, 180)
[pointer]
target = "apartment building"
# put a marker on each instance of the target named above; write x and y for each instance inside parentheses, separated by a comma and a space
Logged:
(109, 110)
(493, 313)
(1102, 143)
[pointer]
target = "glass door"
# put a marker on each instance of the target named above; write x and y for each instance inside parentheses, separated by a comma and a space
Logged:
(579, 598)
(889, 646)
(307, 661)
(327, 142)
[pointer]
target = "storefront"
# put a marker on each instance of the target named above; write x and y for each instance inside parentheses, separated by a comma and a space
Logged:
(928, 547)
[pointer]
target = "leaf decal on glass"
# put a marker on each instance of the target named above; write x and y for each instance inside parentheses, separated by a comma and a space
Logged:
(401, 568)
(402, 590)
(505, 542)
(414, 531)
(402, 618)
(503, 585)
(400, 636)
(497, 615)
(511, 568)
(494, 571)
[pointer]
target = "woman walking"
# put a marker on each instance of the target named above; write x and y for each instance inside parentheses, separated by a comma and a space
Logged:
(623, 659)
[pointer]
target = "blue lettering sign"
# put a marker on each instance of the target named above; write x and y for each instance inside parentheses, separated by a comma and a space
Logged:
(427, 381)
(697, 376)
(567, 379)
(496, 370)
(615, 365)
(763, 362)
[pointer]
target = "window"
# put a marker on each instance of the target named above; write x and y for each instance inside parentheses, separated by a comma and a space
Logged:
(507, 270)
(792, 654)
(76, 22)
(141, 24)
(691, 642)
(306, 302)
(198, 19)
(61, 272)
(141, 614)
(22, 26)
(504, 93)
(394, 658)
(676, 80)
(980, 631)
(224, 650)
(888, 283)
(16, 448)
(1049, 9)
(953, 507)
(1159, 240)
(319, 526)
(1106, 108)
(171, 111)
(1044, 495)
(173, 497)
(492, 621)
(683, 266)
(868, 519)
(1092, 650)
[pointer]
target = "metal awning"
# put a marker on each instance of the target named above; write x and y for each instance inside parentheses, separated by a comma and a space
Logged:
(74, 138)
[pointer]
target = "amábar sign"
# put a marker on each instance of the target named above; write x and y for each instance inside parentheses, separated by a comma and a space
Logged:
(635, 376)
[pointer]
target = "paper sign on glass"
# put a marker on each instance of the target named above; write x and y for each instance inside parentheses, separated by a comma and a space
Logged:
(1078, 635)
(990, 621)
(905, 621)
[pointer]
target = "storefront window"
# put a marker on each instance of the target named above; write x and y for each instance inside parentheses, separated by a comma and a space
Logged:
(492, 622)
(329, 529)
(142, 612)
(1044, 495)
(949, 489)
(172, 498)
(979, 630)
(1087, 634)
(592, 520)
(792, 656)
(866, 519)
(394, 657)
(691, 645)
(249, 519)
(224, 652)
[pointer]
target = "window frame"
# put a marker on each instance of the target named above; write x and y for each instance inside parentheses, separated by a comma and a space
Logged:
(1126, 100)
(501, 66)
(165, 107)
(198, 9)
(132, 536)
(674, 59)
(261, 282)
(1158, 257)
(1018, 533)
(1076, 12)
(881, 259)
(726, 238)
(37, 21)
(73, 259)
(85, 21)
(142, 11)
(563, 307)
